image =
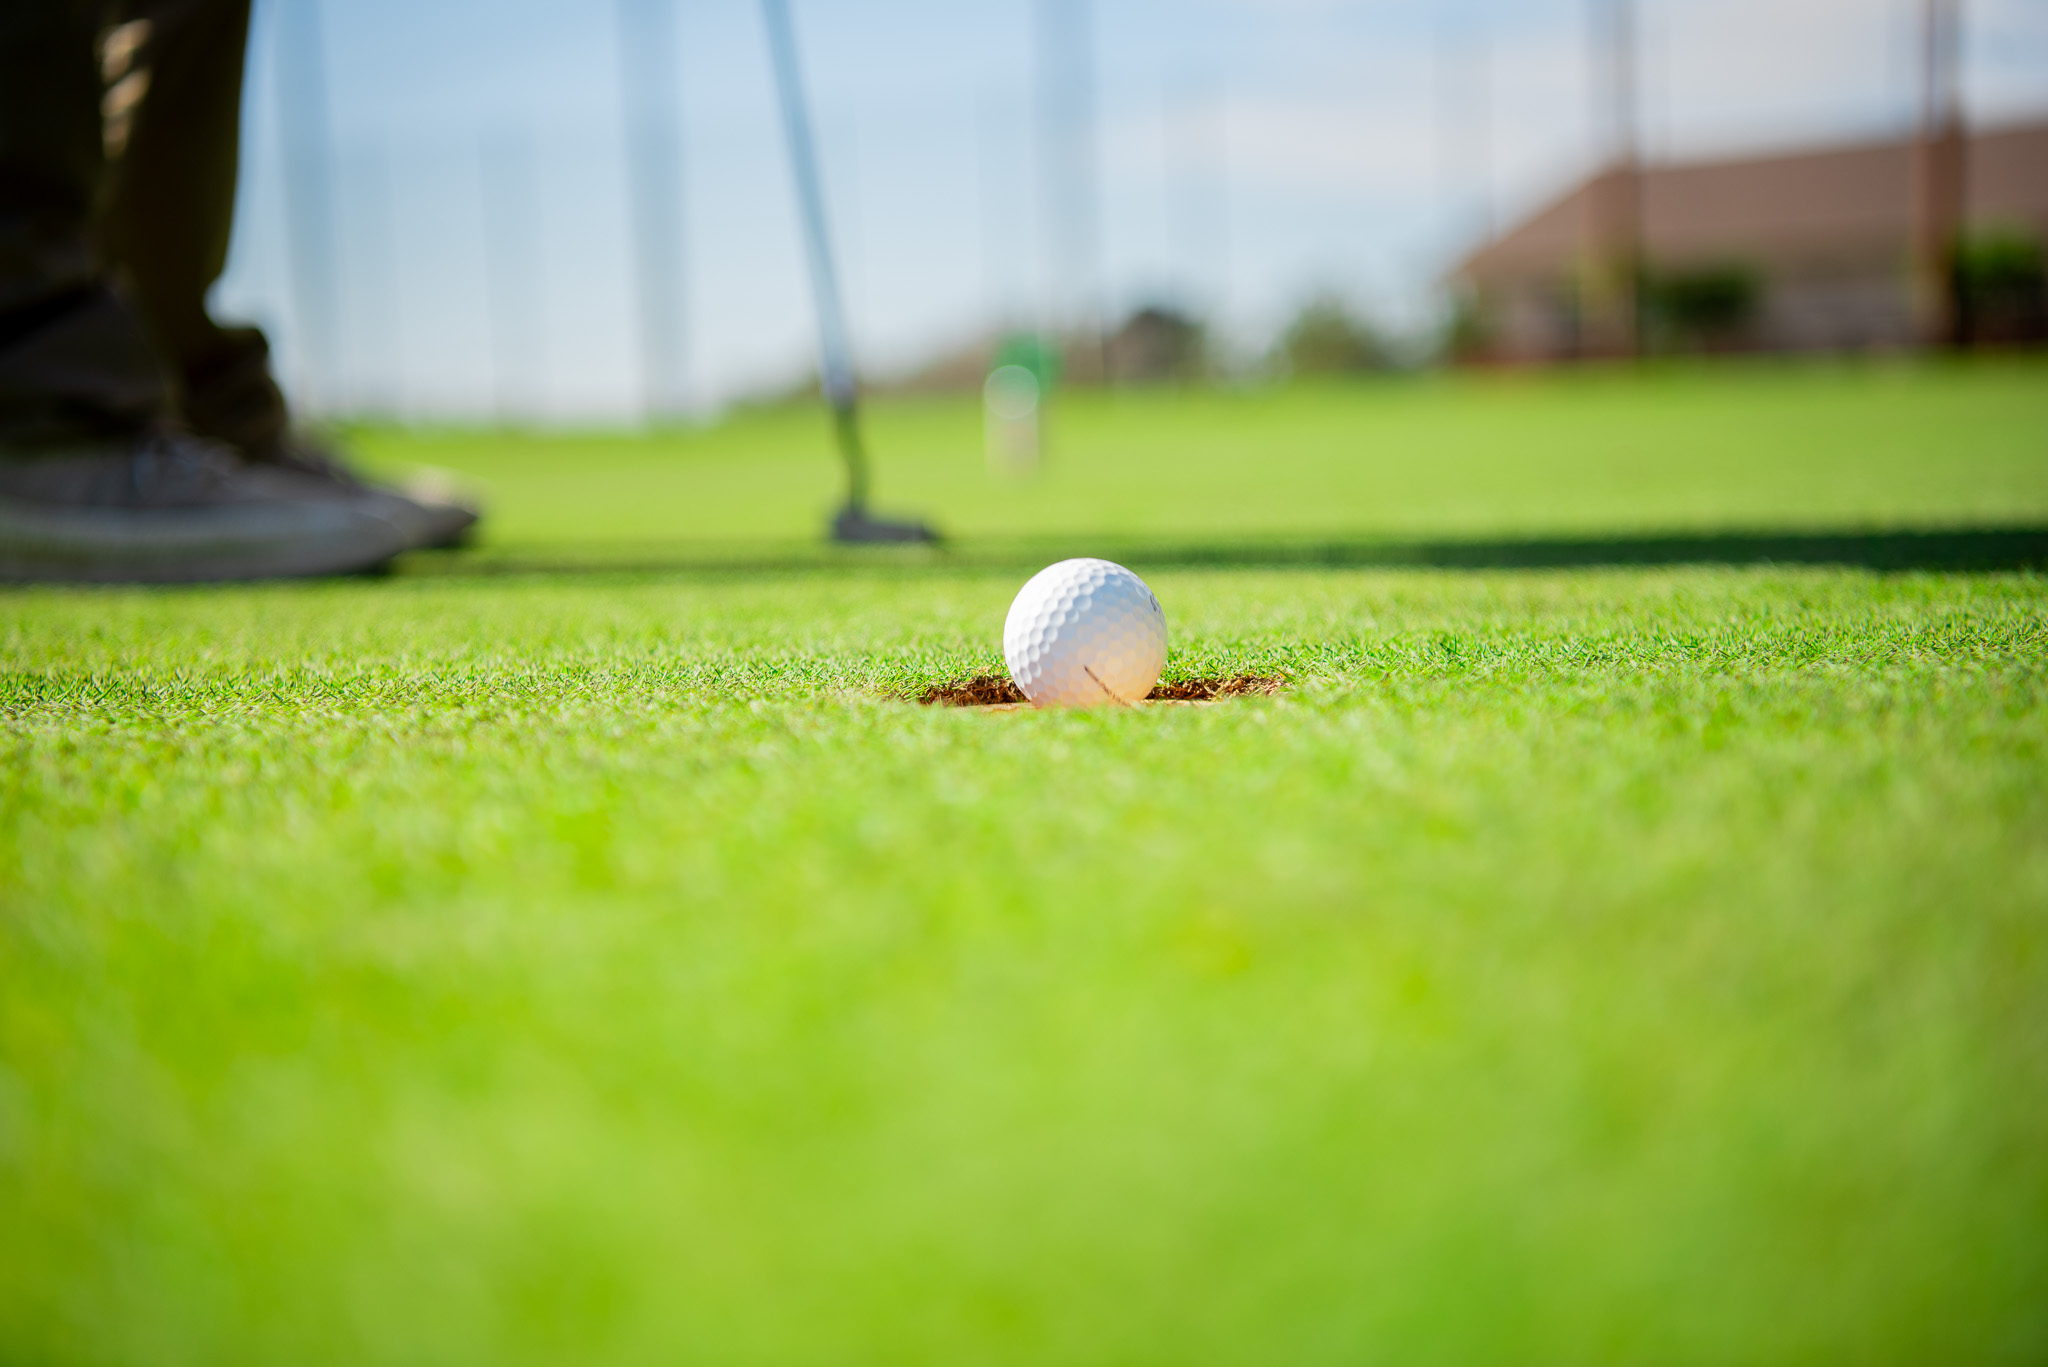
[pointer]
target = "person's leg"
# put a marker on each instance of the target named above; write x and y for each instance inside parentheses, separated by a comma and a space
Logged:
(96, 479)
(164, 228)
(169, 210)
(75, 361)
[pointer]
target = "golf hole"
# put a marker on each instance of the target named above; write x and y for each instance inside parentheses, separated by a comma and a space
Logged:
(996, 690)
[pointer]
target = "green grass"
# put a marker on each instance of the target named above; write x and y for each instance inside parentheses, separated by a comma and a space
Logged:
(1767, 447)
(1611, 966)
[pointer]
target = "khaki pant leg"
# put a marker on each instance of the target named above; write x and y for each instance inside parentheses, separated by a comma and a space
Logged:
(166, 220)
(75, 360)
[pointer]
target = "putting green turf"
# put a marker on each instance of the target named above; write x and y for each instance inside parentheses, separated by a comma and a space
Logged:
(1600, 966)
(1729, 447)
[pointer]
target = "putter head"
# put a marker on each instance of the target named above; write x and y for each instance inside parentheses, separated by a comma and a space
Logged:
(855, 525)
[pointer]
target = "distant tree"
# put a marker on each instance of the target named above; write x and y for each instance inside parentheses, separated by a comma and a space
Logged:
(1467, 333)
(1706, 306)
(2003, 288)
(1157, 345)
(1326, 338)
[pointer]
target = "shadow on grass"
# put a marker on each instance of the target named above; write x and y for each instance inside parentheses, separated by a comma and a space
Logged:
(1948, 548)
(1975, 548)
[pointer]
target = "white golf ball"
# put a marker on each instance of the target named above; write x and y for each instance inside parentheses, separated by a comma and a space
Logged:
(1083, 633)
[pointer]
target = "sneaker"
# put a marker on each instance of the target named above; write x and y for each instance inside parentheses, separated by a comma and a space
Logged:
(167, 507)
(435, 515)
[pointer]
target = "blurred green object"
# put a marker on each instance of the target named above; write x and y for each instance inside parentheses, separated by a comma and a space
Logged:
(1035, 354)
(488, 965)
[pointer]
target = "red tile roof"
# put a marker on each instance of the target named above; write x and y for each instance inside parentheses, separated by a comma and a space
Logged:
(1840, 207)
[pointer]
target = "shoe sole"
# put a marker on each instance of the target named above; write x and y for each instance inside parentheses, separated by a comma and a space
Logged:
(41, 543)
(446, 526)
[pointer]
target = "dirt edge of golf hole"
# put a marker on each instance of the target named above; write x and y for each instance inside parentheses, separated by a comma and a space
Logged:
(995, 690)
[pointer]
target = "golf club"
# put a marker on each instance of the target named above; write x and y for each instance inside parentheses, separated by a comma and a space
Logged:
(835, 352)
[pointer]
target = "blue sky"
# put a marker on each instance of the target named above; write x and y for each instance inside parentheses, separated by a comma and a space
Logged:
(1252, 152)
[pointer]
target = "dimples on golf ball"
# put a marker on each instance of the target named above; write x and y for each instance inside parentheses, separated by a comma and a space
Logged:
(1082, 630)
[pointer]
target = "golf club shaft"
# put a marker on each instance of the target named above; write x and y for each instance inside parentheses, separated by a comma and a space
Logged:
(835, 352)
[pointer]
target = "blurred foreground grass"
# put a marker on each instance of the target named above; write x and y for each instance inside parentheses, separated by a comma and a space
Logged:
(1608, 966)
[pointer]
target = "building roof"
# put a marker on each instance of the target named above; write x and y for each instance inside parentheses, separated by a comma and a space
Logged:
(1834, 207)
